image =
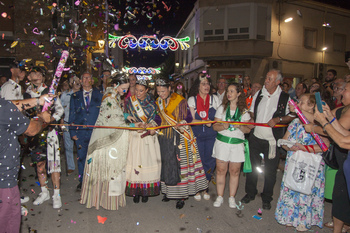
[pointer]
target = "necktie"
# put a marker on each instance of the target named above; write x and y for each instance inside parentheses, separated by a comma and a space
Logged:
(87, 100)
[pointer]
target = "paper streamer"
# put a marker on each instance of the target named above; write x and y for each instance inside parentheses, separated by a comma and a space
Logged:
(56, 79)
(303, 119)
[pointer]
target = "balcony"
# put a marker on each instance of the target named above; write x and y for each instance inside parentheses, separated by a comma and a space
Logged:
(232, 49)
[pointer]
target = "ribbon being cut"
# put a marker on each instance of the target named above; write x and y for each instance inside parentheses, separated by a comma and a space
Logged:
(167, 126)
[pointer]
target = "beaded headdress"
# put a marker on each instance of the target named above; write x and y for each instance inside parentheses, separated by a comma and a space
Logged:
(161, 82)
(142, 82)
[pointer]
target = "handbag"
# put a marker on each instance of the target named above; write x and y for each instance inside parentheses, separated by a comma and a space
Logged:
(302, 171)
(329, 157)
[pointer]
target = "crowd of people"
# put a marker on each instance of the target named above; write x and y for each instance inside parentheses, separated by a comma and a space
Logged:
(142, 160)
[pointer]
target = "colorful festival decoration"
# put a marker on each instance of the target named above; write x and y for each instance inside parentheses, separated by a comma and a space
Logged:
(56, 79)
(303, 119)
(148, 43)
(142, 70)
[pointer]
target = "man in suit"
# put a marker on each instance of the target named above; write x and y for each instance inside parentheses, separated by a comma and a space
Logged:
(84, 110)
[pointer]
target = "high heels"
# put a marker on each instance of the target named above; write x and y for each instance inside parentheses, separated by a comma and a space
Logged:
(136, 199)
(165, 199)
(144, 199)
(180, 204)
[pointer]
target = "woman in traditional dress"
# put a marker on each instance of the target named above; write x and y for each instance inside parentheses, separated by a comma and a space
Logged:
(104, 174)
(203, 108)
(294, 208)
(182, 173)
(143, 161)
(230, 146)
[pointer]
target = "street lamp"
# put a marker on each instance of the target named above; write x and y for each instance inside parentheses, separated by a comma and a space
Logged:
(101, 43)
(288, 19)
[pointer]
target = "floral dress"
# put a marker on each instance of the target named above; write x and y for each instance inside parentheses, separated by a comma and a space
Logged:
(294, 208)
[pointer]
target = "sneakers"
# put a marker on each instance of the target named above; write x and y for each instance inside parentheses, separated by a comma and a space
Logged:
(43, 196)
(57, 203)
(24, 210)
(197, 197)
(24, 199)
(232, 202)
(218, 202)
(206, 196)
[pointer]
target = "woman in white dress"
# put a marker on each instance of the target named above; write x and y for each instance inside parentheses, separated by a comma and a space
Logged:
(104, 174)
(230, 145)
(144, 162)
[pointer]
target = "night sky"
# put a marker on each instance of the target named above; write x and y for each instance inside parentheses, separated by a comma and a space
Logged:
(160, 18)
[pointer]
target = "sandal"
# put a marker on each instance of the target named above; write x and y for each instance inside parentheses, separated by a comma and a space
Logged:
(329, 224)
(345, 228)
(301, 228)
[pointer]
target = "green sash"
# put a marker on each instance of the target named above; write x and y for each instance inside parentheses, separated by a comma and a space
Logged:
(247, 166)
(236, 117)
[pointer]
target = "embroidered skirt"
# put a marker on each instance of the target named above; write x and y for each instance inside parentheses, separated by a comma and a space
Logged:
(143, 165)
(180, 167)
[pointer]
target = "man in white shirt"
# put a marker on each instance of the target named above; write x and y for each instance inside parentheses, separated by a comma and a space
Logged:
(11, 90)
(221, 84)
(270, 105)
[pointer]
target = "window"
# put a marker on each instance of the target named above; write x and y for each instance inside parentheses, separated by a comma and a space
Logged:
(219, 31)
(339, 42)
(238, 33)
(208, 32)
(244, 30)
(310, 38)
(232, 30)
(212, 38)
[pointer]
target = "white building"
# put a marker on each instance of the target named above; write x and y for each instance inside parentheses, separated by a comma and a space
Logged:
(233, 38)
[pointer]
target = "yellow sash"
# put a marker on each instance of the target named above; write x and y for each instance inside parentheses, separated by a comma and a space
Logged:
(166, 114)
(139, 111)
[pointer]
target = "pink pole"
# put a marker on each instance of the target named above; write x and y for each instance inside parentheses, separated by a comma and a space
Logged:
(56, 78)
(303, 119)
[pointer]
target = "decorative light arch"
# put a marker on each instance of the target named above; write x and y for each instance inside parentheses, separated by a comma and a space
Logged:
(142, 70)
(148, 42)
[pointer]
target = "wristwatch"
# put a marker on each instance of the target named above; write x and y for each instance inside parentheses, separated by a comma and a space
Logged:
(280, 119)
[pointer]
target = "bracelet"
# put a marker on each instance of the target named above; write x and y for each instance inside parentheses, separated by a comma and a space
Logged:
(324, 130)
(312, 129)
(332, 120)
(37, 102)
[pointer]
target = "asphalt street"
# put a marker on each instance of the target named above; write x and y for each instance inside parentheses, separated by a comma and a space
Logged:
(153, 216)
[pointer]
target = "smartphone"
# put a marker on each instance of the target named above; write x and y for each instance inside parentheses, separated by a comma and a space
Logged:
(318, 101)
(257, 217)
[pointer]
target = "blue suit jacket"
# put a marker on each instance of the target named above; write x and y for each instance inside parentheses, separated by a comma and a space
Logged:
(80, 116)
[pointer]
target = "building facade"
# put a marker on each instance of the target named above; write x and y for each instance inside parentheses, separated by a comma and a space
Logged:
(234, 38)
